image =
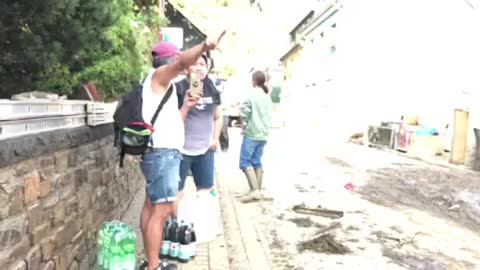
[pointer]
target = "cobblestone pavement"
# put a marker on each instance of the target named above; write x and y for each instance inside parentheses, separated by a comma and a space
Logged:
(210, 256)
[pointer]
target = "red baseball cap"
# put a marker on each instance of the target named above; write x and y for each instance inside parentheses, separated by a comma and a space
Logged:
(164, 49)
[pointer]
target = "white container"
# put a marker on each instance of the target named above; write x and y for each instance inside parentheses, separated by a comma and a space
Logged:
(206, 218)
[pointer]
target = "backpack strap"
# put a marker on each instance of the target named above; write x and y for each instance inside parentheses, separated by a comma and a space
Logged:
(160, 106)
(122, 157)
(182, 87)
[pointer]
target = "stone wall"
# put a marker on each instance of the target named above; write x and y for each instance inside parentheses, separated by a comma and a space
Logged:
(56, 189)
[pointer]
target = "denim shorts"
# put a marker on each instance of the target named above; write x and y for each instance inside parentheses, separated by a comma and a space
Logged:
(251, 153)
(161, 168)
(202, 167)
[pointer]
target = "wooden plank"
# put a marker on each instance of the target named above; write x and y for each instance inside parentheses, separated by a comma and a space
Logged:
(459, 140)
(318, 212)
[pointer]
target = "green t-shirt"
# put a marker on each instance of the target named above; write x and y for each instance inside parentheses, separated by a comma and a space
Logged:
(256, 112)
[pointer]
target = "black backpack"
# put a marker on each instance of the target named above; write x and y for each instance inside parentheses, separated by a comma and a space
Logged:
(132, 133)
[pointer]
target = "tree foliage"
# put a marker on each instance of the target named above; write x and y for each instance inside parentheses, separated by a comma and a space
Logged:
(56, 45)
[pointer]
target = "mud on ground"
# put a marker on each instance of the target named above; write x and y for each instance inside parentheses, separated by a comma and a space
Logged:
(445, 192)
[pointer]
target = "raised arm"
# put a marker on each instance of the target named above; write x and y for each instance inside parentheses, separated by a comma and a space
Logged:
(164, 74)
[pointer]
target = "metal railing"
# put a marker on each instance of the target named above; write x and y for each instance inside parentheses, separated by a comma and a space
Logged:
(18, 118)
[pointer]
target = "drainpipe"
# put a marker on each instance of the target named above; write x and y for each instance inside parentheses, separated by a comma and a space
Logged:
(161, 14)
(161, 8)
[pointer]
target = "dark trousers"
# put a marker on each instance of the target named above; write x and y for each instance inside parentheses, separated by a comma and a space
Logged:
(224, 134)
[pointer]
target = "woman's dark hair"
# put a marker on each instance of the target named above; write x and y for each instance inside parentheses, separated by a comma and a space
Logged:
(208, 61)
(259, 78)
(157, 62)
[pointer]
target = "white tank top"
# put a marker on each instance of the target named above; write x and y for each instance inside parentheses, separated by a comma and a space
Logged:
(169, 128)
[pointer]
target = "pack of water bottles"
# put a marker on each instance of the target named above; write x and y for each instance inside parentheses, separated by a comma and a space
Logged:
(179, 241)
(116, 246)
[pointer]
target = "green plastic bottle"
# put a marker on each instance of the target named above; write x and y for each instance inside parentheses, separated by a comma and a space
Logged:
(107, 246)
(129, 247)
(116, 259)
(100, 244)
(117, 255)
(117, 243)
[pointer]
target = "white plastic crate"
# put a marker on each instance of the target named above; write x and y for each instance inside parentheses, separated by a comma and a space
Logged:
(9, 129)
(100, 113)
(12, 110)
(100, 107)
(18, 118)
(99, 119)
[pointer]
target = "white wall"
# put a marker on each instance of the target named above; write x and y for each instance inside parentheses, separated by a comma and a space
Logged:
(410, 55)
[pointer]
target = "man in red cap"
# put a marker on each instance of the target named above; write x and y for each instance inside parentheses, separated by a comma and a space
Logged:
(161, 162)
(163, 53)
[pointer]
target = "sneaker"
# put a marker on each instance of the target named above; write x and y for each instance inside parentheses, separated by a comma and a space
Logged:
(164, 265)
(143, 265)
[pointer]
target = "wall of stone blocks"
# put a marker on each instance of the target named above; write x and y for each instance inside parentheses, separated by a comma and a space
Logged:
(55, 196)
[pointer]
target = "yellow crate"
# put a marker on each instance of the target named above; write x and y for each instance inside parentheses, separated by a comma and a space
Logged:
(425, 145)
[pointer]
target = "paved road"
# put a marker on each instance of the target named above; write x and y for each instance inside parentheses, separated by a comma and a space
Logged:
(403, 213)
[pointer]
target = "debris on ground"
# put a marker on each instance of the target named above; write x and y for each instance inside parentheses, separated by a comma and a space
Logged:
(317, 211)
(349, 186)
(338, 162)
(330, 227)
(415, 262)
(400, 242)
(325, 243)
(382, 236)
(303, 222)
(443, 192)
